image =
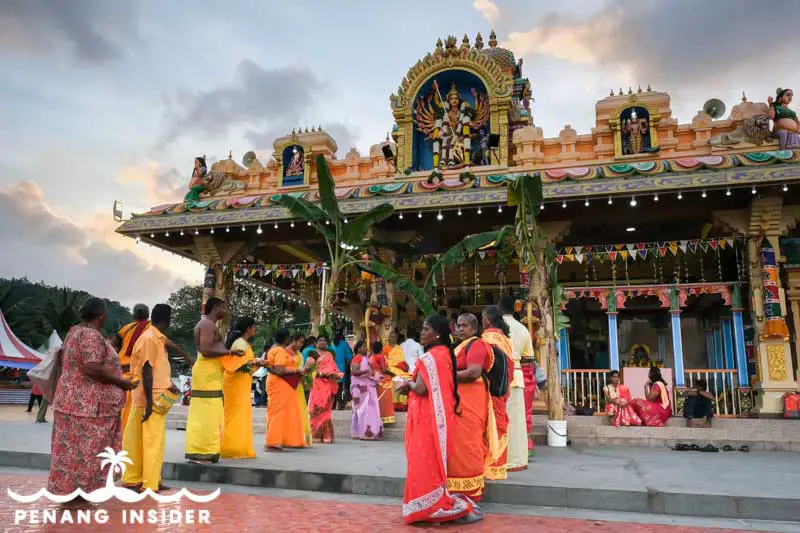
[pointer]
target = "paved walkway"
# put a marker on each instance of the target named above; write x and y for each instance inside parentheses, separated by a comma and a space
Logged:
(760, 485)
(237, 512)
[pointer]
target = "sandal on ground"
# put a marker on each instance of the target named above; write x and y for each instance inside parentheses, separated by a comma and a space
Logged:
(709, 448)
(727, 448)
(694, 447)
(745, 449)
(680, 447)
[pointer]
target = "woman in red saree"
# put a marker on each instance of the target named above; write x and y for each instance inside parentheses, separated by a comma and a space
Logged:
(655, 409)
(496, 332)
(323, 393)
(378, 362)
(618, 403)
(466, 465)
(432, 405)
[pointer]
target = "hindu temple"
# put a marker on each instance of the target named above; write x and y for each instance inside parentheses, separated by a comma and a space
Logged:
(677, 245)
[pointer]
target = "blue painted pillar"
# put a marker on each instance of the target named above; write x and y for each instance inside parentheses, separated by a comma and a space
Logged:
(677, 338)
(727, 343)
(717, 347)
(613, 341)
(563, 349)
(738, 343)
(709, 337)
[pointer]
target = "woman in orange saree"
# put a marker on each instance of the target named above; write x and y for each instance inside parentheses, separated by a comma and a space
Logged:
(496, 332)
(618, 403)
(655, 410)
(378, 362)
(432, 406)
(284, 424)
(470, 430)
(323, 393)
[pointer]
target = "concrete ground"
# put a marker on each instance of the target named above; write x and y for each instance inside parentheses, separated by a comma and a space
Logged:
(734, 485)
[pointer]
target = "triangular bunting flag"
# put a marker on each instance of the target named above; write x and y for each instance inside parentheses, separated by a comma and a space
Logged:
(693, 247)
(578, 249)
(570, 257)
(568, 250)
(559, 259)
(295, 272)
(579, 257)
(713, 244)
(630, 246)
(640, 246)
(704, 246)
(673, 247)
(662, 251)
(643, 253)
(619, 247)
(612, 256)
(624, 254)
(633, 254)
(609, 247)
(682, 246)
(482, 254)
(589, 258)
(723, 243)
(587, 248)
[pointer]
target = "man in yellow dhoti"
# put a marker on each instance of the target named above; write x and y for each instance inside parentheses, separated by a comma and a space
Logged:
(126, 339)
(398, 367)
(145, 435)
(204, 425)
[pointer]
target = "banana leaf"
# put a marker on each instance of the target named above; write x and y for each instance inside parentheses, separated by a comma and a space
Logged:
(527, 189)
(405, 285)
(356, 229)
(327, 195)
(308, 211)
(403, 248)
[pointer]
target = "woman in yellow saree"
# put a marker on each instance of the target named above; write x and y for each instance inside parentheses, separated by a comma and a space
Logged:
(237, 437)
(284, 425)
(396, 361)
(297, 343)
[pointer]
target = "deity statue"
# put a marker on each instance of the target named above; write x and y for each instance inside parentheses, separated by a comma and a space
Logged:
(787, 125)
(199, 181)
(634, 135)
(449, 123)
(296, 165)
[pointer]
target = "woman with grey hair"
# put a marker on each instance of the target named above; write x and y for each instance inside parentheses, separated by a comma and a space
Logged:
(87, 404)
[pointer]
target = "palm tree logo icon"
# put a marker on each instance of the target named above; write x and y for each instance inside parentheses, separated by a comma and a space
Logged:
(116, 462)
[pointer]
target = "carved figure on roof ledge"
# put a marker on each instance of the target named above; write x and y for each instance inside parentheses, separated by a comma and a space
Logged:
(296, 166)
(219, 183)
(787, 125)
(754, 130)
(199, 180)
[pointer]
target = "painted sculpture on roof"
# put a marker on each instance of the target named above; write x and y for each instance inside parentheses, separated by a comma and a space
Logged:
(199, 180)
(787, 125)
(450, 123)
(635, 129)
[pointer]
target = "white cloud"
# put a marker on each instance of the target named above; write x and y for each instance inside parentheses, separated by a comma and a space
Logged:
(487, 9)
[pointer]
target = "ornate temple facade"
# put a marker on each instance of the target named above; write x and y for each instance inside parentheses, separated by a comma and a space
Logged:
(677, 244)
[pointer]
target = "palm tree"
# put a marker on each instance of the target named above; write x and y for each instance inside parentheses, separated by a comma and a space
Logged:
(116, 464)
(345, 240)
(61, 310)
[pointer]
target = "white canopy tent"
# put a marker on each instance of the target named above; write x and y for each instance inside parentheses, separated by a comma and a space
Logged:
(13, 352)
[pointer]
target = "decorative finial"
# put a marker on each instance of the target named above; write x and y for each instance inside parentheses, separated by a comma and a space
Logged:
(479, 41)
(465, 41)
(306, 129)
(439, 44)
(320, 128)
(648, 88)
(293, 132)
(230, 154)
(492, 39)
(387, 136)
(620, 91)
(639, 89)
(611, 93)
(630, 91)
(744, 97)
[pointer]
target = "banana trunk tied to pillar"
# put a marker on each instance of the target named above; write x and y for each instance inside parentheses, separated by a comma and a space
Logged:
(774, 326)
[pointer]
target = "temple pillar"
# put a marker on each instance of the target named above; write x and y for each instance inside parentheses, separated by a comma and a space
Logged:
(613, 332)
(677, 338)
(773, 353)
(563, 349)
(727, 344)
(717, 360)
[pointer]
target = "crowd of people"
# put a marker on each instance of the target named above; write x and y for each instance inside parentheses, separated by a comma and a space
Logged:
(464, 390)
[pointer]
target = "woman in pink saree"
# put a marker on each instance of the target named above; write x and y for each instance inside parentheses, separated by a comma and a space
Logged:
(655, 409)
(618, 403)
(367, 423)
(323, 393)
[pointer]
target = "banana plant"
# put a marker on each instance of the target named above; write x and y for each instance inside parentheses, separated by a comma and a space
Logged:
(544, 293)
(345, 241)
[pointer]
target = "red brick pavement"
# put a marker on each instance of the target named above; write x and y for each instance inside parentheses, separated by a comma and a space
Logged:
(236, 513)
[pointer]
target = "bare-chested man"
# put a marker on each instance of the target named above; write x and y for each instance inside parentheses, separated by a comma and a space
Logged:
(206, 414)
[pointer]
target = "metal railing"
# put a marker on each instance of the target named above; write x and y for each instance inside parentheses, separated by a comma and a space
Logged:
(723, 384)
(584, 388)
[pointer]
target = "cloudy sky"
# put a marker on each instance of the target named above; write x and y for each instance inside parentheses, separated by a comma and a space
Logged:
(105, 100)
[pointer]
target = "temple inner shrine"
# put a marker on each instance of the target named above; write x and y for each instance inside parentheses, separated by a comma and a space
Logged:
(675, 245)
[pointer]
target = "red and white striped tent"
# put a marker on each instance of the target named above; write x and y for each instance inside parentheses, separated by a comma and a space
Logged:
(13, 352)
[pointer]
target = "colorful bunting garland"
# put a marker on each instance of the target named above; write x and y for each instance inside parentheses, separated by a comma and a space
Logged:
(293, 270)
(640, 250)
